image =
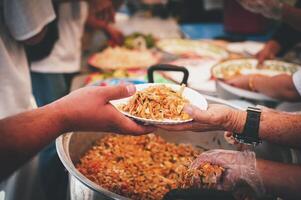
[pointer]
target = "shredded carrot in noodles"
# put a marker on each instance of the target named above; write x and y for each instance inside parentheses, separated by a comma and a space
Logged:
(158, 103)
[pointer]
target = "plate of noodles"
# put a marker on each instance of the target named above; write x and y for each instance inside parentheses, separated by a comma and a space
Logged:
(157, 103)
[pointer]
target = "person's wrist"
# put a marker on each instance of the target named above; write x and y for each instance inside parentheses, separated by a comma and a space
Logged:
(235, 121)
(61, 116)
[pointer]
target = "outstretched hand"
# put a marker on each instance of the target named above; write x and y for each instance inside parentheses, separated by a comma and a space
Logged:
(216, 117)
(89, 109)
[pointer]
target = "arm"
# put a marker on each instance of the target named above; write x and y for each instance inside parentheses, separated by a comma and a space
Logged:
(26, 134)
(280, 179)
(87, 109)
(280, 87)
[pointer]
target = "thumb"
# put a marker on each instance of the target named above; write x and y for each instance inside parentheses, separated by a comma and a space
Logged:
(198, 115)
(118, 92)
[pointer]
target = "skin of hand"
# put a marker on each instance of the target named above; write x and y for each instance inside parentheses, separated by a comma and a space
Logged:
(221, 117)
(240, 170)
(241, 81)
(102, 10)
(279, 87)
(87, 109)
(216, 117)
(116, 37)
(270, 50)
(268, 8)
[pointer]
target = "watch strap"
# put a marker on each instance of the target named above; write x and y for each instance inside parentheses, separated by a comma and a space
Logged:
(250, 134)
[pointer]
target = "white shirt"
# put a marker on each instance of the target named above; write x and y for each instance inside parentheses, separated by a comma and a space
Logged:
(66, 54)
(297, 80)
(19, 20)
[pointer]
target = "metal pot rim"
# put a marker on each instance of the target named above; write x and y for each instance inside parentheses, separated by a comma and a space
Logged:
(65, 159)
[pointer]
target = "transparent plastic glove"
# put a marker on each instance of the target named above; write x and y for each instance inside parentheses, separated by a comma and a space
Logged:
(268, 8)
(240, 170)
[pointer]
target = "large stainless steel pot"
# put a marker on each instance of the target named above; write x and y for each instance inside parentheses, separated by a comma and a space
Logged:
(72, 146)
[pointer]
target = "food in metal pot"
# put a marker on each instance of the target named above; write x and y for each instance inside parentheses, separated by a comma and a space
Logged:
(138, 167)
(205, 175)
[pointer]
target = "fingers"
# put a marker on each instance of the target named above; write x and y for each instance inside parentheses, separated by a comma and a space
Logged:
(232, 81)
(261, 56)
(181, 127)
(125, 125)
(128, 126)
(190, 126)
(197, 114)
(117, 92)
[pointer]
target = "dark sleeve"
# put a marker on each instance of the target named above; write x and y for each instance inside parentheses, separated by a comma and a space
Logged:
(44, 48)
(286, 35)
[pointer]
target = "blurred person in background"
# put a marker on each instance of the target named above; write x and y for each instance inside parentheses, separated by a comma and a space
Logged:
(52, 74)
(21, 22)
(99, 28)
(283, 87)
(242, 168)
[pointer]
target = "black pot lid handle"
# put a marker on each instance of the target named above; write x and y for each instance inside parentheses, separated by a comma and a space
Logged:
(167, 67)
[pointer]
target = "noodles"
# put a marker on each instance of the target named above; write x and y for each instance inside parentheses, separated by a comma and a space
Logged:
(158, 103)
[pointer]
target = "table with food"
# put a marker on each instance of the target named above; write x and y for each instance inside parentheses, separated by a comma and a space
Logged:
(154, 55)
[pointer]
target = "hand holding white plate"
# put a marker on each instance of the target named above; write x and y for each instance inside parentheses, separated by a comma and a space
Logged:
(190, 95)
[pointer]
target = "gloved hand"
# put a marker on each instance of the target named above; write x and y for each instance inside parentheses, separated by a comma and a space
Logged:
(240, 170)
(268, 8)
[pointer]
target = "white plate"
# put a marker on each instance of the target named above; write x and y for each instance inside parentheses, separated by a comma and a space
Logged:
(193, 96)
(194, 47)
(248, 66)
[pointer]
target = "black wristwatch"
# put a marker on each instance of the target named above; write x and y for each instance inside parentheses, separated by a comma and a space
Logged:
(250, 134)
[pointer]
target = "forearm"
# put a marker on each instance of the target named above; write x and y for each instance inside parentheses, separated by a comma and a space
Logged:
(276, 127)
(279, 179)
(24, 135)
(292, 16)
(279, 87)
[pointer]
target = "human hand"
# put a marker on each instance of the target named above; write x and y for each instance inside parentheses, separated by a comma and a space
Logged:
(268, 8)
(240, 170)
(270, 50)
(102, 10)
(89, 109)
(116, 37)
(216, 117)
